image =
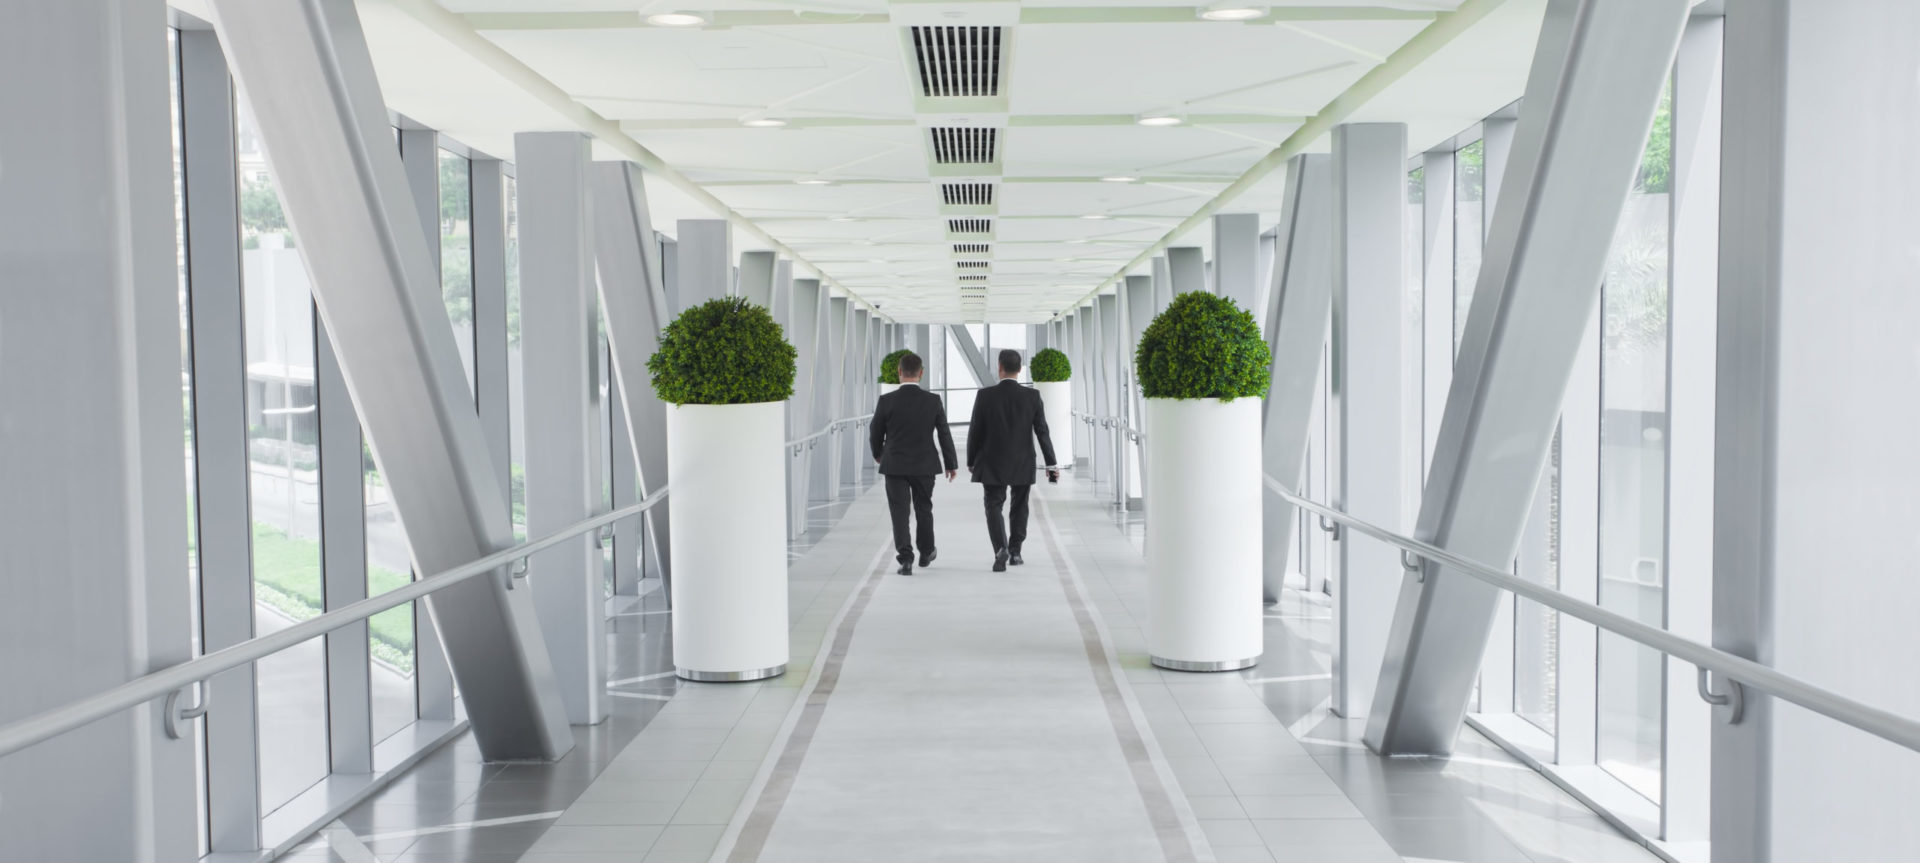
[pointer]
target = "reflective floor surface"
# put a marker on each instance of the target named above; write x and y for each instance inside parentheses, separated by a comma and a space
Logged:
(966, 715)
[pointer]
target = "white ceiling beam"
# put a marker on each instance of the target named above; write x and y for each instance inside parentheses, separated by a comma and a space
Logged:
(454, 28)
(1017, 121)
(1446, 27)
(729, 18)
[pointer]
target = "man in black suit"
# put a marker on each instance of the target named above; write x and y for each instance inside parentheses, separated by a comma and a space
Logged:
(904, 423)
(1006, 419)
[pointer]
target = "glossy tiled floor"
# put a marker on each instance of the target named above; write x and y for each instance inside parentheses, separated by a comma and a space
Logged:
(965, 715)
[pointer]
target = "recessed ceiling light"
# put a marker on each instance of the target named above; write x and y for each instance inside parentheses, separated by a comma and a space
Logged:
(1119, 178)
(1095, 216)
(1232, 12)
(677, 19)
(1158, 120)
(1077, 241)
(843, 219)
(814, 181)
(763, 123)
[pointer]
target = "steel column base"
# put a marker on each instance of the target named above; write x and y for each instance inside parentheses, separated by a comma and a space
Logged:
(1211, 665)
(730, 676)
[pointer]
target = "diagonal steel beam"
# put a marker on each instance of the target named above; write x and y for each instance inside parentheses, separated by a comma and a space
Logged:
(306, 67)
(1591, 94)
(635, 308)
(975, 360)
(1300, 300)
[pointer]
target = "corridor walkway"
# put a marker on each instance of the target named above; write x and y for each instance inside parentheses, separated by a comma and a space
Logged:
(962, 714)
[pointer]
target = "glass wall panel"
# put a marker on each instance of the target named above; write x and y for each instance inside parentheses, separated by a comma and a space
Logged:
(282, 437)
(1469, 229)
(516, 393)
(390, 634)
(1010, 336)
(1633, 462)
(1413, 233)
(961, 381)
(456, 252)
(1536, 636)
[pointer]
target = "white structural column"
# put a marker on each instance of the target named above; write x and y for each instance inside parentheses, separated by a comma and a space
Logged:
(1436, 306)
(489, 228)
(1298, 307)
(634, 305)
(756, 279)
(1110, 391)
(1086, 370)
(557, 349)
(834, 376)
(703, 261)
(803, 329)
(97, 582)
(1186, 270)
(853, 447)
(1692, 373)
(1138, 312)
(1814, 452)
(1596, 78)
(1369, 181)
(343, 559)
(224, 523)
(308, 71)
(1162, 283)
(1497, 666)
(1236, 258)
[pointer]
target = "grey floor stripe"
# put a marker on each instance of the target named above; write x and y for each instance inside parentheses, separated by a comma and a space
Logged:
(1168, 825)
(766, 809)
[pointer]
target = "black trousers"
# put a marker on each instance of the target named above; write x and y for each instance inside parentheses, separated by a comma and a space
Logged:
(996, 528)
(916, 491)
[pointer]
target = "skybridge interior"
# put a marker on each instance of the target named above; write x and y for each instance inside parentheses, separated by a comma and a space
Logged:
(1589, 482)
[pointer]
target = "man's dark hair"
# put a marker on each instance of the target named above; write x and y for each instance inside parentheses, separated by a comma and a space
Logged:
(1009, 362)
(909, 366)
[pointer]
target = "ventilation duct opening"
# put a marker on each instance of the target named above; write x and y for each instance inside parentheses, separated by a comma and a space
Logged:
(958, 61)
(973, 278)
(970, 226)
(969, 248)
(955, 146)
(972, 265)
(967, 195)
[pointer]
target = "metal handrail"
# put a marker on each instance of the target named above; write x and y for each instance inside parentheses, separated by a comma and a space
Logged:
(169, 682)
(1737, 671)
(799, 445)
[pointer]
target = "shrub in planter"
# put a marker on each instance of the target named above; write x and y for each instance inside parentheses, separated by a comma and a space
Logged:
(1202, 347)
(1050, 366)
(890, 366)
(723, 352)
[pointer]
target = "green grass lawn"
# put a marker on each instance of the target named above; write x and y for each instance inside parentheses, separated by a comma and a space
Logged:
(286, 576)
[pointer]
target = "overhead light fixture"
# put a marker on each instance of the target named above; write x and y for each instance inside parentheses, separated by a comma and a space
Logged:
(843, 219)
(814, 181)
(677, 19)
(1077, 241)
(763, 123)
(1232, 12)
(1096, 217)
(1119, 178)
(1159, 120)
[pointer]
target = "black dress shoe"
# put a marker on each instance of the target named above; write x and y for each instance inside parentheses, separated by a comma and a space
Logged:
(928, 558)
(906, 569)
(1013, 557)
(1000, 561)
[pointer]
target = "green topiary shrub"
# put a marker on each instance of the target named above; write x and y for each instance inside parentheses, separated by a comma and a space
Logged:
(723, 352)
(1049, 366)
(1202, 347)
(890, 366)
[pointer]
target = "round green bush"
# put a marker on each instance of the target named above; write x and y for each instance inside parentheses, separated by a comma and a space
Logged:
(890, 366)
(1202, 347)
(723, 352)
(1049, 366)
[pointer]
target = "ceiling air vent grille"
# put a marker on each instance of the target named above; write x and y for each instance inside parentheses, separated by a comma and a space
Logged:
(973, 278)
(969, 248)
(967, 195)
(957, 146)
(958, 61)
(972, 265)
(970, 226)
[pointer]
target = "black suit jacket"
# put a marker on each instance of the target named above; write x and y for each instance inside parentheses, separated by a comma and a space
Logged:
(1006, 419)
(904, 423)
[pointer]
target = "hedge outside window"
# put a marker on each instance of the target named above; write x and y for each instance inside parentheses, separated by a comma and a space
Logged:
(1050, 366)
(1202, 347)
(890, 366)
(723, 352)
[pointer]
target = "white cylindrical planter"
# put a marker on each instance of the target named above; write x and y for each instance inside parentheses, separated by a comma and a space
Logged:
(726, 471)
(1203, 533)
(1058, 398)
(887, 388)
